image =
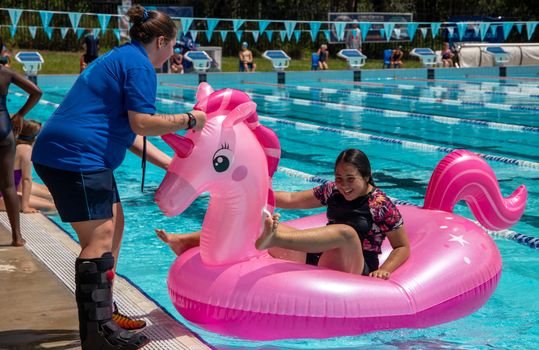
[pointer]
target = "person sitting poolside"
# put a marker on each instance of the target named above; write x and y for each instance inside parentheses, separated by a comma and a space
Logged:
(447, 56)
(246, 59)
(323, 55)
(396, 58)
(176, 61)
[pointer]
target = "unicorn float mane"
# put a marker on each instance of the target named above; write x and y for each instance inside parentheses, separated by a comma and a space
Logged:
(234, 158)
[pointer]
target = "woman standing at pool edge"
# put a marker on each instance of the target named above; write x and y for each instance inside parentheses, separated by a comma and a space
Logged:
(9, 127)
(86, 138)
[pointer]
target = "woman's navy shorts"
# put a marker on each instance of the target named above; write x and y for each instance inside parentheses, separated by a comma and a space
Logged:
(81, 196)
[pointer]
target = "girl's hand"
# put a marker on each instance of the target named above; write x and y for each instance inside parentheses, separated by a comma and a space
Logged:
(16, 121)
(382, 274)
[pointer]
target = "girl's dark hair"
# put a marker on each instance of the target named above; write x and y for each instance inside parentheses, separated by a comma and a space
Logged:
(30, 130)
(147, 25)
(358, 159)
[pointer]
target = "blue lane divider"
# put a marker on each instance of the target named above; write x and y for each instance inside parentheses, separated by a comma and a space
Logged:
(467, 82)
(383, 112)
(429, 100)
(530, 241)
(433, 88)
(366, 137)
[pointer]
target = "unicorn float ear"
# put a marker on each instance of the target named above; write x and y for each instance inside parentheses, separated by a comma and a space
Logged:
(203, 92)
(239, 114)
(182, 146)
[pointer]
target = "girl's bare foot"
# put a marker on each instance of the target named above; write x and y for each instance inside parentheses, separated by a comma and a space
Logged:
(267, 237)
(18, 242)
(177, 242)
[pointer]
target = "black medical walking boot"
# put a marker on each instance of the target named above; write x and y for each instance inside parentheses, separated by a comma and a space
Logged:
(93, 279)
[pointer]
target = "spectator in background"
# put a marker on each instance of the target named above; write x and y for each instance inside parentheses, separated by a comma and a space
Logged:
(396, 58)
(353, 37)
(176, 61)
(447, 56)
(91, 48)
(4, 54)
(323, 55)
(246, 59)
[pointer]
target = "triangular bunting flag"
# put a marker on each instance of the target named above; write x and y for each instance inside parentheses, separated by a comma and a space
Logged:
(507, 26)
(530, 28)
(63, 32)
(339, 30)
(327, 34)
(212, 24)
(46, 17)
(209, 34)
(297, 34)
(194, 34)
(519, 27)
(397, 33)
(12, 30)
(412, 28)
(95, 32)
(315, 27)
(450, 31)
(239, 33)
(79, 32)
(388, 29)
(32, 30)
(237, 23)
(15, 15)
(282, 34)
(289, 27)
(186, 23)
(116, 32)
(462, 29)
(424, 32)
(223, 33)
(256, 34)
(74, 17)
(262, 25)
(484, 29)
(48, 31)
(103, 21)
(269, 34)
(434, 27)
(364, 27)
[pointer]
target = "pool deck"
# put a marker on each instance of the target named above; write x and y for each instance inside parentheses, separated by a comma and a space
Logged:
(37, 294)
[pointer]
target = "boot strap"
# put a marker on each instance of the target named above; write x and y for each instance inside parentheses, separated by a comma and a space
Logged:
(98, 313)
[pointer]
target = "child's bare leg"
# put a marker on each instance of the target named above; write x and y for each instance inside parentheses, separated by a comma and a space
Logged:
(179, 243)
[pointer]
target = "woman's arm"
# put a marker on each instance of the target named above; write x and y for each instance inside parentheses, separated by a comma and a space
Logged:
(153, 154)
(159, 124)
(297, 200)
(35, 94)
(400, 253)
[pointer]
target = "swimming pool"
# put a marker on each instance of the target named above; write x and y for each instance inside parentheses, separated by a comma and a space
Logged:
(406, 124)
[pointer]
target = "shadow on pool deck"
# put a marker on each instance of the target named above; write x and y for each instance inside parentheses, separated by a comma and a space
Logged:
(38, 311)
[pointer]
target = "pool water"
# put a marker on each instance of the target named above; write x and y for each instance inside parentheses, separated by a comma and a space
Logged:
(402, 163)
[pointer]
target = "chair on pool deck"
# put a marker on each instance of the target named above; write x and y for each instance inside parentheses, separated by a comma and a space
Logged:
(498, 53)
(425, 55)
(387, 58)
(314, 61)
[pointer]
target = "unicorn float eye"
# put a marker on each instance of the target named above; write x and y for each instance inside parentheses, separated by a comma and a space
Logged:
(222, 158)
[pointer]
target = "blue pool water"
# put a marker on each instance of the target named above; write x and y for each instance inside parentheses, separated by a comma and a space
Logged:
(402, 165)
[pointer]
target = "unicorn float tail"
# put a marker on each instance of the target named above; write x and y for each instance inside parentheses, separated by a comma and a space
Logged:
(464, 175)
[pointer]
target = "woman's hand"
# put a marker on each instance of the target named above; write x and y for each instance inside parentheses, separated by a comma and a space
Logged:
(382, 274)
(200, 117)
(17, 121)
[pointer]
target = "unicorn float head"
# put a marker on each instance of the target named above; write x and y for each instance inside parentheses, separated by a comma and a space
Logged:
(233, 158)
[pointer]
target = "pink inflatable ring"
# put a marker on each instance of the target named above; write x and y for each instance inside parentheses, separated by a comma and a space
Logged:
(228, 287)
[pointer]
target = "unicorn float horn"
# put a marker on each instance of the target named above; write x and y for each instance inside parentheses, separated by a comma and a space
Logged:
(464, 175)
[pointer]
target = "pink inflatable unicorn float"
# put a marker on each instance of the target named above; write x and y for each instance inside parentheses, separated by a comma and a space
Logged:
(229, 287)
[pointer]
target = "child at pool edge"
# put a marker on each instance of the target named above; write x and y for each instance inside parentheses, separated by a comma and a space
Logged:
(360, 217)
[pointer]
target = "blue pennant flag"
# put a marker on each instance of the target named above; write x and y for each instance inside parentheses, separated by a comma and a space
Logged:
(186, 23)
(424, 32)
(63, 32)
(339, 30)
(32, 30)
(103, 21)
(223, 33)
(476, 30)
(327, 34)
(297, 34)
(194, 34)
(74, 17)
(530, 28)
(237, 23)
(412, 28)
(262, 25)
(209, 34)
(282, 34)
(315, 28)
(388, 29)
(269, 34)
(289, 27)
(12, 30)
(79, 32)
(95, 32)
(15, 15)
(461, 26)
(212, 24)
(519, 27)
(397, 33)
(434, 28)
(450, 32)
(116, 32)
(364, 27)
(484, 29)
(493, 28)
(239, 33)
(256, 34)
(507, 26)
(48, 31)
(46, 17)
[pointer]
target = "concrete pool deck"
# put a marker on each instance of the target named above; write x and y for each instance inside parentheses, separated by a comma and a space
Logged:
(37, 294)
